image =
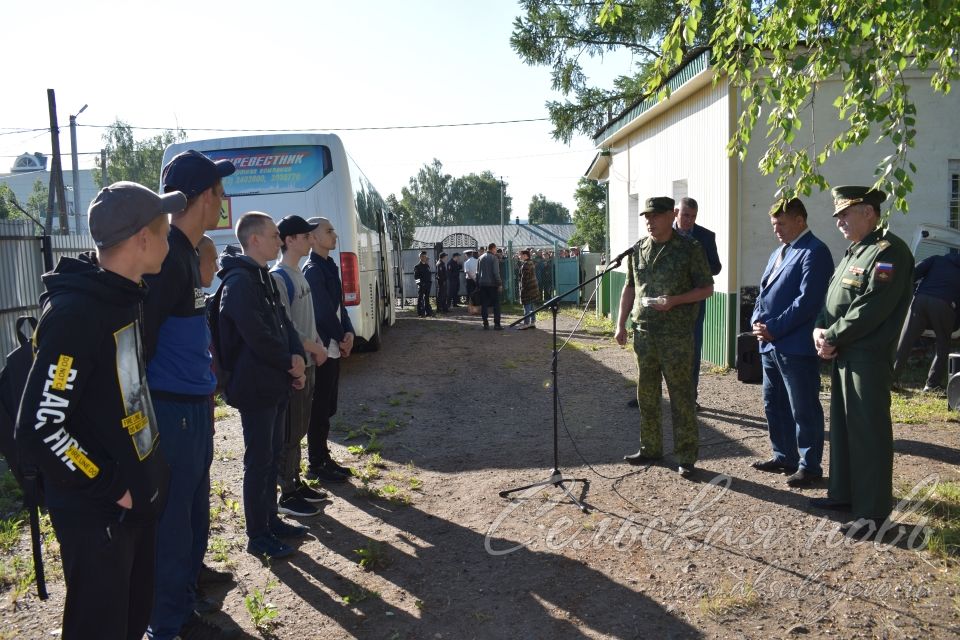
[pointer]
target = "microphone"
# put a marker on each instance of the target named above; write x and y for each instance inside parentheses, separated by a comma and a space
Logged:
(628, 252)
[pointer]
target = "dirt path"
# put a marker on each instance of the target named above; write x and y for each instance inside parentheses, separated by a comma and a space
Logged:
(463, 414)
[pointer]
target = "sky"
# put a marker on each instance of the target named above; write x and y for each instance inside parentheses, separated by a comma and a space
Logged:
(297, 65)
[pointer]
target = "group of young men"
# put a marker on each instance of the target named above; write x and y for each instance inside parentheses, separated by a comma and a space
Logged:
(806, 312)
(448, 283)
(117, 412)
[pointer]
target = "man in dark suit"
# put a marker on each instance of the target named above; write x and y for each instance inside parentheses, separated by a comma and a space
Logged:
(686, 225)
(792, 290)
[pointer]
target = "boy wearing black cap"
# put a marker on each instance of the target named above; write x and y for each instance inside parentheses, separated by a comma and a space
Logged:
(87, 419)
(177, 347)
(296, 498)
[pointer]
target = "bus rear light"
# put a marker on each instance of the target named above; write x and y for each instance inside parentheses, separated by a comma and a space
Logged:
(350, 274)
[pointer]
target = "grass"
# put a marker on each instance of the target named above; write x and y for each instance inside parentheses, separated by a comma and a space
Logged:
(942, 509)
(11, 498)
(730, 600)
(373, 556)
(358, 595)
(220, 549)
(10, 533)
(920, 408)
(262, 612)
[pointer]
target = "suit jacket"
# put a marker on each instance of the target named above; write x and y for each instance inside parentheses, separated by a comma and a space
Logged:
(708, 240)
(792, 295)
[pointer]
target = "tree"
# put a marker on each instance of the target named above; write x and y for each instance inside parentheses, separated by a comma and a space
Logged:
(404, 217)
(475, 199)
(134, 160)
(428, 196)
(7, 210)
(590, 216)
(37, 202)
(779, 53)
(543, 211)
(560, 34)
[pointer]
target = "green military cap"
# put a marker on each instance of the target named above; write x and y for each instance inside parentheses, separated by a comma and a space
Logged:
(657, 205)
(847, 196)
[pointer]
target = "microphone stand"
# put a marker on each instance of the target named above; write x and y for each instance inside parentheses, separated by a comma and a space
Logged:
(557, 478)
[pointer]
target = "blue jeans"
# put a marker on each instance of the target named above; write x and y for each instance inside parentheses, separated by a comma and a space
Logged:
(791, 399)
(527, 308)
(186, 440)
(263, 430)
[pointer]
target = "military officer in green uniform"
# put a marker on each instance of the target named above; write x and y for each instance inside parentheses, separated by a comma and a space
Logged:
(667, 276)
(858, 329)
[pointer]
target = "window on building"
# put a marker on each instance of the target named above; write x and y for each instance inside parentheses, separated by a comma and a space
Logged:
(954, 173)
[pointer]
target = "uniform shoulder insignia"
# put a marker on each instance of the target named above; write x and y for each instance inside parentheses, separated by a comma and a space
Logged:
(883, 244)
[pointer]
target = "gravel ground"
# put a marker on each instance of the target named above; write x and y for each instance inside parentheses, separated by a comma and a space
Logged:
(460, 414)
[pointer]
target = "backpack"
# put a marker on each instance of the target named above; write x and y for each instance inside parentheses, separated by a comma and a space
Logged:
(288, 280)
(13, 380)
(223, 355)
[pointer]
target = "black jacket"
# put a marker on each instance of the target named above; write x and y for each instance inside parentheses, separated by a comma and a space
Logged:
(323, 276)
(86, 418)
(255, 329)
(422, 275)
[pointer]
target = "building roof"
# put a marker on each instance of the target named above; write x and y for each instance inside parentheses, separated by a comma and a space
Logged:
(520, 235)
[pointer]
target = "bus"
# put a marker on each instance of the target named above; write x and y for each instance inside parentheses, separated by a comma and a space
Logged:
(311, 174)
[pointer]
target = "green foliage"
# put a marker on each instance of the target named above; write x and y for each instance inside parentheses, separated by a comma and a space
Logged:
(373, 556)
(543, 211)
(38, 200)
(590, 216)
(9, 533)
(405, 217)
(437, 198)
(7, 210)
(358, 595)
(562, 34)
(262, 612)
(781, 53)
(134, 160)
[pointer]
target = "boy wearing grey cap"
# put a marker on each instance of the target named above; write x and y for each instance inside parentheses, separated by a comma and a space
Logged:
(87, 419)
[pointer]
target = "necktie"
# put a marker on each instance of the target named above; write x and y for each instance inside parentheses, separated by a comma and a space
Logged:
(780, 256)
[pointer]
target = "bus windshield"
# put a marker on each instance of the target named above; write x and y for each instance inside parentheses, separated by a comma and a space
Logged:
(280, 169)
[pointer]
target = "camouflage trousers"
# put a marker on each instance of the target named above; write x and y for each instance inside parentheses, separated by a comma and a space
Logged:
(666, 357)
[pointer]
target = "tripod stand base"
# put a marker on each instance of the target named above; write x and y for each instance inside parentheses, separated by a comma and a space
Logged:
(556, 479)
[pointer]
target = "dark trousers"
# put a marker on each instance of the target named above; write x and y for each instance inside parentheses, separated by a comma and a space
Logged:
(927, 312)
(423, 301)
(297, 423)
(791, 400)
(490, 297)
(108, 568)
(453, 286)
(326, 388)
(471, 289)
(186, 441)
(861, 437)
(262, 438)
(443, 299)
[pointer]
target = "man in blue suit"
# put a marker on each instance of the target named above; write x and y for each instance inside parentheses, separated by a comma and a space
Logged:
(686, 225)
(792, 291)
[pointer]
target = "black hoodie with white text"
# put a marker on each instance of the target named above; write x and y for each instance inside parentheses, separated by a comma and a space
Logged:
(86, 419)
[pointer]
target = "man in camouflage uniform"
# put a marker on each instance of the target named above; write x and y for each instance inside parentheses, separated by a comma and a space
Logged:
(667, 276)
(858, 329)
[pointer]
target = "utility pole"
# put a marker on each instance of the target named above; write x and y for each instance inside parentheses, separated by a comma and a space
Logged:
(76, 168)
(56, 194)
(501, 211)
(103, 168)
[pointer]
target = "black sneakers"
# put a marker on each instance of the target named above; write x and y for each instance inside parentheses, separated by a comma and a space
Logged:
(294, 505)
(310, 494)
(268, 547)
(329, 471)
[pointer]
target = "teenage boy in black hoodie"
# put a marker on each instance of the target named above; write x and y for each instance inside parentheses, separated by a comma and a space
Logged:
(266, 358)
(87, 420)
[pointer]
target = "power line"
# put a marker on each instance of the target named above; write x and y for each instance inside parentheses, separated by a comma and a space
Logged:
(385, 128)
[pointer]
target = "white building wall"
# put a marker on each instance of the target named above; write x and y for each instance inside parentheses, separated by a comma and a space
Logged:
(937, 143)
(687, 143)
